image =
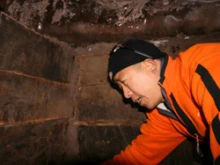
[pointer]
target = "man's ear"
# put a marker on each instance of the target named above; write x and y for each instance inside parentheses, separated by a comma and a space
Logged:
(151, 65)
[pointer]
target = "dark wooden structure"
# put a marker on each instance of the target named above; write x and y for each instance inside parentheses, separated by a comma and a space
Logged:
(57, 106)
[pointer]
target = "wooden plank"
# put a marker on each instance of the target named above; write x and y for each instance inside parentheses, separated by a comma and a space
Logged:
(36, 143)
(101, 103)
(93, 69)
(25, 51)
(26, 99)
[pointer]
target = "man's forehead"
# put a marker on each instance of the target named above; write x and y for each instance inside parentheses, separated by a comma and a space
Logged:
(121, 74)
(115, 78)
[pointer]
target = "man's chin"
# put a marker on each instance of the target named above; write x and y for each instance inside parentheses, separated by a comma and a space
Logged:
(148, 107)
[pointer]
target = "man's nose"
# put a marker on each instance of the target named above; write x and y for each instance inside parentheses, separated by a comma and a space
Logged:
(127, 93)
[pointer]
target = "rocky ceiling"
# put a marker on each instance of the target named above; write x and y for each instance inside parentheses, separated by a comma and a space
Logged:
(82, 22)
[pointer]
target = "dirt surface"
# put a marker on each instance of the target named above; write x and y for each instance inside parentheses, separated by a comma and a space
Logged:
(84, 22)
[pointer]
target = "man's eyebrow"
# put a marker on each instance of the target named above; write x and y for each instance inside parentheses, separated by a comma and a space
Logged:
(116, 79)
(122, 81)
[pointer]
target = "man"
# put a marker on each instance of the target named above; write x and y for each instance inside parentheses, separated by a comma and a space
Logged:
(182, 96)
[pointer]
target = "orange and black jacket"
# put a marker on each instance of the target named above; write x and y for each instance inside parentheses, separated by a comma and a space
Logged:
(191, 84)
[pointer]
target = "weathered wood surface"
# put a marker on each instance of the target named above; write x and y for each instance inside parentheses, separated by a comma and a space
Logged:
(24, 99)
(25, 51)
(37, 143)
(35, 76)
(36, 91)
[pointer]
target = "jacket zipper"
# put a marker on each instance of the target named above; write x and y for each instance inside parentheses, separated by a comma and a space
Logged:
(195, 134)
(197, 145)
(189, 125)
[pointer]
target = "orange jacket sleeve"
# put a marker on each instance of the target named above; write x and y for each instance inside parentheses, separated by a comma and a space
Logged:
(206, 92)
(157, 139)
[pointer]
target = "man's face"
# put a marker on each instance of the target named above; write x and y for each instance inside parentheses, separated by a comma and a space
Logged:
(139, 82)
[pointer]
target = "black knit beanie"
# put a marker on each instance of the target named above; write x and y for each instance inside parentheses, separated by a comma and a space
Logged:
(131, 52)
